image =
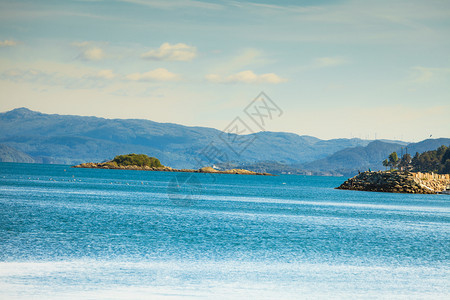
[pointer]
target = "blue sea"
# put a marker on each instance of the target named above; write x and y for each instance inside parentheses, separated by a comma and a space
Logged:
(70, 233)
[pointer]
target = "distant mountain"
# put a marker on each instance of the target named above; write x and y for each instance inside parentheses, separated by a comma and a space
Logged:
(427, 145)
(9, 154)
(71, 139)
(31, 136)
(349, 161)
(277, 168)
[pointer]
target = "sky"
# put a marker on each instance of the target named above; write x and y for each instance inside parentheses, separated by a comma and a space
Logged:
(336, 69)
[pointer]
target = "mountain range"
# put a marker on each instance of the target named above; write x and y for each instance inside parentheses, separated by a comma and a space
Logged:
(349, 161)
(9, 154)
(69, 139)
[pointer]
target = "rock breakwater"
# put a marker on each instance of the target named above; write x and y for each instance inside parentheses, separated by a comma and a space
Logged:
(397, 182)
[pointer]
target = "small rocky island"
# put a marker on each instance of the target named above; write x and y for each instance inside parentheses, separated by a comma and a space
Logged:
(146, 163)
(398, 182)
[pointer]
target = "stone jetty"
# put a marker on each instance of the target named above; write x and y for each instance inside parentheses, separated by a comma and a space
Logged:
(398, 182)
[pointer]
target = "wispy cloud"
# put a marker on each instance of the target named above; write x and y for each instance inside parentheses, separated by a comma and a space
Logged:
(105, 74)
(274, 8)
(89, 51)
(175, 4)
(63, 75)
(49, 78)
(22, 75)
(159, 74)
(21, 11)
(177, 52)
(424, 75)
(93, 53)
(8, 43)
(324, 62)
(247, 57)
(244, 59)
(246, 77)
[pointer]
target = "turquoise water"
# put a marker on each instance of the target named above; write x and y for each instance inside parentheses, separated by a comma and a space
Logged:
(105, 234)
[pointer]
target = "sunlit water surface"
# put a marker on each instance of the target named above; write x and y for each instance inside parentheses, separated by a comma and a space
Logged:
(114, 234)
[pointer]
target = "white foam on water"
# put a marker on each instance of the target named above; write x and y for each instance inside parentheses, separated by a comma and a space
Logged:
(443, 210)
(327, 203)
(94, 192)
(97, 279)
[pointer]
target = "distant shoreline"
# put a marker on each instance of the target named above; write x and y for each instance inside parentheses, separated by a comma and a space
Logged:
(207, 170)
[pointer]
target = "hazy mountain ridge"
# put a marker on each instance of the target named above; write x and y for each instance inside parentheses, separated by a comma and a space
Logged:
(9, 154)
(76, 139)
(68, 139)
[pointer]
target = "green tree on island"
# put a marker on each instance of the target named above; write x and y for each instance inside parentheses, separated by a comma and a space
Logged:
(405, 162)
(445, 162)
(140, 160)
(436, 161)
(386, 163)
(393, 159)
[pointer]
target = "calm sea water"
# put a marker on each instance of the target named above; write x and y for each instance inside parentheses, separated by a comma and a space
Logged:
(105, 234)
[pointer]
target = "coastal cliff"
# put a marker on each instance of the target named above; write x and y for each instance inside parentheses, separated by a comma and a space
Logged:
(397, 182)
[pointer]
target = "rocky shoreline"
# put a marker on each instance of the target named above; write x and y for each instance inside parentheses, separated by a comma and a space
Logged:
(398, 182)
(108, 165)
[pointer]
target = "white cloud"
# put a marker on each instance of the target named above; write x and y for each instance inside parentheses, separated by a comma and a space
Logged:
(89, 51)
(81, 44)
(177, 52)
(93, 53)
(21, 75)
(246, 77)
(425, 75)
(214, 78)
(324, 62)
(159, 74)
(51, 74)
(8, 43)
(247, 57)
(244, 59)
(105, 74)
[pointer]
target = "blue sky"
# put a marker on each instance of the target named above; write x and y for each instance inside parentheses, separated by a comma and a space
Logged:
(336, 68)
